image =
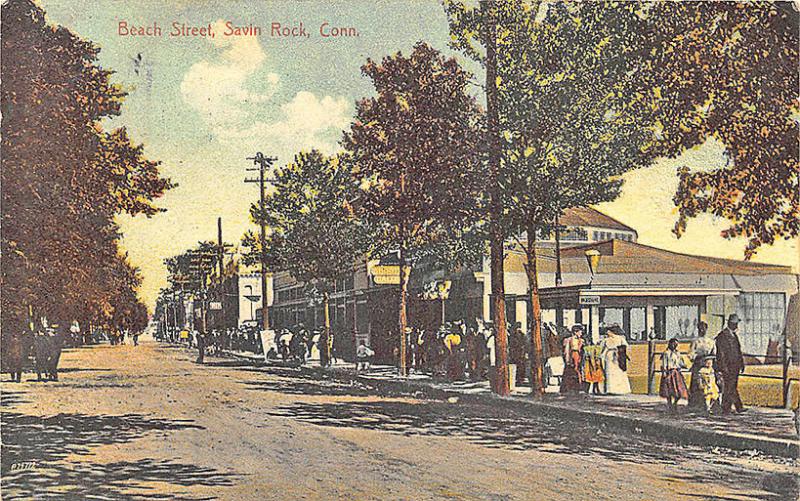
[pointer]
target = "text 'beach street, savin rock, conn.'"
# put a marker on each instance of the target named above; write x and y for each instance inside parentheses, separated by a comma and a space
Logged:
(275, 29)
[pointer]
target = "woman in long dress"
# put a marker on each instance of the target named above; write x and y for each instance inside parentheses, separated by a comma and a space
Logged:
(701, 348)
(614, 353)
(572, 380)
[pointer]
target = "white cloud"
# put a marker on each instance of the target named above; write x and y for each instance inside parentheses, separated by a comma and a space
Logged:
(227, 90)
(219, 90)
(306, 121)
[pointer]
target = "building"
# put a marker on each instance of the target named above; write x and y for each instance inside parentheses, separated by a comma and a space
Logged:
(643, 289)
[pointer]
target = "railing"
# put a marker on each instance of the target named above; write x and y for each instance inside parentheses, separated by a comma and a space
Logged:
(783, 359)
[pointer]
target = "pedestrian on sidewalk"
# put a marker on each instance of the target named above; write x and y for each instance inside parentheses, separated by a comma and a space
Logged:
(730, 363)
(673, 386)
(702, 347)
(614, 353)
(517, 351)
(593, 369)
(363, 356)
(572, 380)
(708, 382)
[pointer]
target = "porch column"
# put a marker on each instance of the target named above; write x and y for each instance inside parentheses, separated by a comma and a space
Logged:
(487, 298)
(522, 314)
(650, 318)
(594, 323)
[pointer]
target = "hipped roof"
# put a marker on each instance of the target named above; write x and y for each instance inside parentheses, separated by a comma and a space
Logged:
(620, 256)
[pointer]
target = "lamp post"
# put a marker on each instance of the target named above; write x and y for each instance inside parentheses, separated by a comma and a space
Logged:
(593, 258)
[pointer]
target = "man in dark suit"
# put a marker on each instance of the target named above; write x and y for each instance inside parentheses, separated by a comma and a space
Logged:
(730, 364)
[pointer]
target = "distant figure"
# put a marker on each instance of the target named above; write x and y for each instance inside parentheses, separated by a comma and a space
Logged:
(47, 352)
(614, 353)
(673, 386)
(324, 348)
(19, 345)
(201, 346)
(363, 356)
(730, 363)
(135, 337)
(517, 351)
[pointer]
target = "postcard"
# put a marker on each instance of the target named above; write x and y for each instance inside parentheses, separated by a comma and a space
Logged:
(400, 250)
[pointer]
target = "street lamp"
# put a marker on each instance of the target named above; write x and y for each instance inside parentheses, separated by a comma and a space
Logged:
(593, 258)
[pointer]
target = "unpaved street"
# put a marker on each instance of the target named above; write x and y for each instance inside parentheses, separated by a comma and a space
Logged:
(146, 422)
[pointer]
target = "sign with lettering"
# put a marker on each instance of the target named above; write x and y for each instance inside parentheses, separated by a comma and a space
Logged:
(387, 279)
(589, 300)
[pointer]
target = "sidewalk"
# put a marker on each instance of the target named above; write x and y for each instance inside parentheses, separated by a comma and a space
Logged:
(770, 431)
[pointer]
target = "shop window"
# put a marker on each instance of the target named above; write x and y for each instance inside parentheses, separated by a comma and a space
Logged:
(762, 316)
(609, 317)
(637, 324)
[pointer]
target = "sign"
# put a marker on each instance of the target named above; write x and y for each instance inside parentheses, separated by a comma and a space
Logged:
(215, 305)
(387, 279)
(385, 270)
(589, 300)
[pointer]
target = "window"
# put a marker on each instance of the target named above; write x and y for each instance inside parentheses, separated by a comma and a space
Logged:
(574, 234)
(637, 324)
(762, 315)
(609, 317)
(676, 321)
(595, 235)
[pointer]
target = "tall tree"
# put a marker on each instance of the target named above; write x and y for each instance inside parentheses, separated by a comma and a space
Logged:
(563, 141)
(64, 179)
(313, 234)
(414, 148)
(728, 71)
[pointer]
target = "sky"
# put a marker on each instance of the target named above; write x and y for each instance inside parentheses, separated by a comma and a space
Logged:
(201, 105)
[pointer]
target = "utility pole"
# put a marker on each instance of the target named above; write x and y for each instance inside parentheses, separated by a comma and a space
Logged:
(264, 163)
(501, 386)
(220, 248)
(558, 253)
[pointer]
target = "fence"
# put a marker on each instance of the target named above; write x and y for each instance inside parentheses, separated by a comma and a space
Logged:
(783, 359)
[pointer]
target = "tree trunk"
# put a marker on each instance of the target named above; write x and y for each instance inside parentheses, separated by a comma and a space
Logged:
(537, 385)
(403, 319)
(496, 206)
(324, 348)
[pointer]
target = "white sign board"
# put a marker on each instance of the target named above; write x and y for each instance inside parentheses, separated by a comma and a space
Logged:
(215, 305)
(589, 300)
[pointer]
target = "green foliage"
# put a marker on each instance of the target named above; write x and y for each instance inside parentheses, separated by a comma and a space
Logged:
(728, 71)
(190, 271)
(683, 71)
(64, 179)
(313, 234)
(416, 154)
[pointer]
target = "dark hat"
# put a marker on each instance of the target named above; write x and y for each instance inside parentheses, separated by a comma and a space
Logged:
(709, 357)
(616, 329)
(577, 327)
(734, 318)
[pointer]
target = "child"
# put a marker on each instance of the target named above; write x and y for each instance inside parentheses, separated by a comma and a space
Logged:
(363, 356)
(708, 382)
(673, 386)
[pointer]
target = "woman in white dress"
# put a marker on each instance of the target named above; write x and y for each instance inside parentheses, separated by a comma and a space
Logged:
(616, 378)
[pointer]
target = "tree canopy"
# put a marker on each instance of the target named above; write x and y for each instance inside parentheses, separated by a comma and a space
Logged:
(64, 178)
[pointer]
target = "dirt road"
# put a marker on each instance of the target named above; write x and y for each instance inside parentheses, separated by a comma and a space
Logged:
(146, 422)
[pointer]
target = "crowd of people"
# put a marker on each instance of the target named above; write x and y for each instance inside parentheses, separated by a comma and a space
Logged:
(715, 366)
(458, 350)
